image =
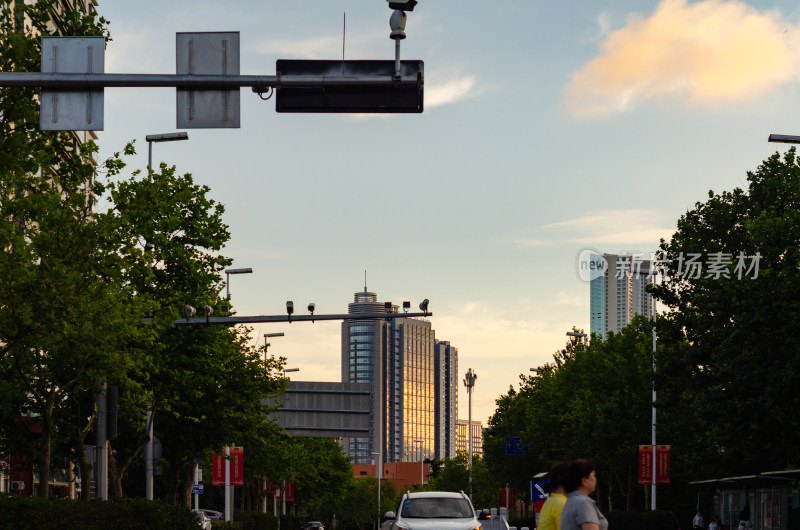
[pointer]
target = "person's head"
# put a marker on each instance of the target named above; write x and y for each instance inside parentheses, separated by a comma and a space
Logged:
(580, 475)
(556, 476)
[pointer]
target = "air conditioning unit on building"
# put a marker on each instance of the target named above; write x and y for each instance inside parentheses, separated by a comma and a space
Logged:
(17, 485)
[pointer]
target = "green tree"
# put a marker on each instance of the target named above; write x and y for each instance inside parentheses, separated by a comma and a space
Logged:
(737, 366)
(62, 311)
(594, 402)
(207, 384)
(356, 511)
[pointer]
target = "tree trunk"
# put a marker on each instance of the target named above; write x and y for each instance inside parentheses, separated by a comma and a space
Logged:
(44, 452)
(84, 465)
(172, 488)
(116, 475)
(78, 444)
(117, 468)
(186, 490)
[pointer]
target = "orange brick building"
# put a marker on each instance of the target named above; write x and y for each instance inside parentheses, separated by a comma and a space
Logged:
(402, 474)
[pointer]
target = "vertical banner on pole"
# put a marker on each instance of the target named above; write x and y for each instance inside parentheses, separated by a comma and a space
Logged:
(237, 466)
(662, 464)
(217, 470)
(645, 464)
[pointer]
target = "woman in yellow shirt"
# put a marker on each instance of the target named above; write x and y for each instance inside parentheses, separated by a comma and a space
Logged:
(550, 516)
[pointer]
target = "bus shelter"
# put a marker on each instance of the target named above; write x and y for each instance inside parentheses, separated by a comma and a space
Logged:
(771, 499)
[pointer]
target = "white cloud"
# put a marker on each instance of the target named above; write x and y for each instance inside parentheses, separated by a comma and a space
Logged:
(611, 227)
(325, 47)
(562, 298)
(447, 91)
(702, 52)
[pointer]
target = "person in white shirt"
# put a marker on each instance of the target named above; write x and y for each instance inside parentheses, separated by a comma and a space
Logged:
(697, 522)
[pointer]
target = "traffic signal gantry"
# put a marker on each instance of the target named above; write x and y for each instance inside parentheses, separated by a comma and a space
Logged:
(207, 81)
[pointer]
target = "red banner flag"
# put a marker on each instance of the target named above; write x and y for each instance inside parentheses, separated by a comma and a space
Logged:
(646, 464)
(662, 464)
(507, 499)
(237, 468)
(217, 470)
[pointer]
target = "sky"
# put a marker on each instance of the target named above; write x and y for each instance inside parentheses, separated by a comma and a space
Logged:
(549, 128)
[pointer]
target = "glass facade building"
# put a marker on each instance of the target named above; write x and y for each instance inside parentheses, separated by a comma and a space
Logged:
(412, 378)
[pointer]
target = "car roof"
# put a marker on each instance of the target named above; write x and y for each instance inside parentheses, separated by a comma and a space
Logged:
(447, 494)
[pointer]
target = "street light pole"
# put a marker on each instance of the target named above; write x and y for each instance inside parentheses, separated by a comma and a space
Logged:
(653, 440)
(379, 473)
(228, 487)
(149, 448)
(167, 137)
(266, 345)
(421, 463)
(579, 335)
(469, 382)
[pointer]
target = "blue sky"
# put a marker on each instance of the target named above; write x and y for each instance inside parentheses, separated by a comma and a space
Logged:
(549, 127)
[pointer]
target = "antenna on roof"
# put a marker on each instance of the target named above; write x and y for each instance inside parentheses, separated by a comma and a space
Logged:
(365, 280)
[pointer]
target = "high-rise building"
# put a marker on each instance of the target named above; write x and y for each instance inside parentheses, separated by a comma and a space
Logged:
(413, 384)
(462, 437)
(446, 405)
(620, 293)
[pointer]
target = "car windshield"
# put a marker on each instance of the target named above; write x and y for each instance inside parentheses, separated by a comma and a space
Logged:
(436, 507)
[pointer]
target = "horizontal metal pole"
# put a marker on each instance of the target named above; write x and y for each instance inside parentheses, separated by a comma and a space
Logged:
(233, 320)
(257, 82)
(784, 138)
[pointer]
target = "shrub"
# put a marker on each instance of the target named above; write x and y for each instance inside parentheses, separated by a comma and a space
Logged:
(641, 520)
(23, 513)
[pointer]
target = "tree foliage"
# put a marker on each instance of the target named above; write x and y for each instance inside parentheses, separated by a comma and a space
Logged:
(594, 402)
(738, 368)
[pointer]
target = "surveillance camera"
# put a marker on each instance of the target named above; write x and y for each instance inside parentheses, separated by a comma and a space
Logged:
(397, 23)
(208, 310)
(424, 306)
(189, 311)
(311, 307)
(402, 5)
(290, 307)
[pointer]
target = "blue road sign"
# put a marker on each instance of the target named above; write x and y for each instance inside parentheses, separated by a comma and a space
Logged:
(197, 489)
(515, 447)
(537, 490)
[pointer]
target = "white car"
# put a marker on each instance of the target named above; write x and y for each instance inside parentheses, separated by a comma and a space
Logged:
(433, 510)
(202, 518)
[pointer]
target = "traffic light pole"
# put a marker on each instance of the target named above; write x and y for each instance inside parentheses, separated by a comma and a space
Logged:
(259, 83)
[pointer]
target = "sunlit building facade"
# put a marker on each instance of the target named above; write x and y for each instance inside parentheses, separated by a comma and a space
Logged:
(462, 437)
(408, 373)
(619, 294)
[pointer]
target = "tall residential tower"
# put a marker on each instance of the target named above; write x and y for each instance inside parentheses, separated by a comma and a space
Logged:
(620, 293)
